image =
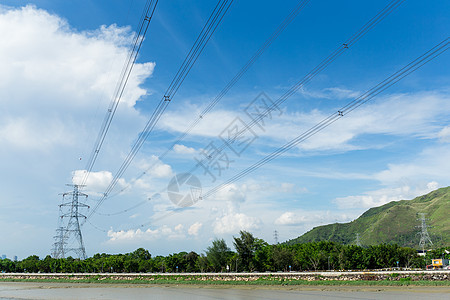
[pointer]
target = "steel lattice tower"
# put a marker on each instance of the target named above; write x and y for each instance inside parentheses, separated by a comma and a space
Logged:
(69, 225)
(424, 236)
(358, 240)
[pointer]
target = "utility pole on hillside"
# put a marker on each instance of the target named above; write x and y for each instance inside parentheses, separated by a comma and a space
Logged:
(424, 236)
(358, 241)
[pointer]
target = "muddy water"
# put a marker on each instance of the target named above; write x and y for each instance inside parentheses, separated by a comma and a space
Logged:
(22, 290)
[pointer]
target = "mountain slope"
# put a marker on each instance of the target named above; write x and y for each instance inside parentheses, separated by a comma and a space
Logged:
(394, 222)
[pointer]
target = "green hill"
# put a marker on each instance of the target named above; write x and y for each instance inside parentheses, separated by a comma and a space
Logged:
(393, 223)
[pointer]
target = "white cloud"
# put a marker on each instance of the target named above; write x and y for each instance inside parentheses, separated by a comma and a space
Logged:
(234, 222)
(230, 192)
(431, 186)
(56, 83)
(182, 149)
(287, 187)
(413, 114)
(432, 164)
(210, 125)
(383, 196)
(63, 70)
(311, 218)
(97, 182)
(444, 134)
(195, 228)
(289, 218)
(154, 167)
(333, 93)
(133, 235)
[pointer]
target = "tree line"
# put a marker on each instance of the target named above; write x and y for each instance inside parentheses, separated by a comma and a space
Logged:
(251, 254)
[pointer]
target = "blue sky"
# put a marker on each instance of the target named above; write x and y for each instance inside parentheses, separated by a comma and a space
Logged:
(60, 63)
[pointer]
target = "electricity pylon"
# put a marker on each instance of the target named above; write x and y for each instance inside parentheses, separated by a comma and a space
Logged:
(424, 236)
(70, 229)
(358, 241)
(275, 237)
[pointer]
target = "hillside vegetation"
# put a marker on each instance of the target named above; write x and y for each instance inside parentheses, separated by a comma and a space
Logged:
(393, 223)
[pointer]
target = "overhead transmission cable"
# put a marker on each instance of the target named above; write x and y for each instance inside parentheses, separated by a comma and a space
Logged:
(203, 38)
(316, 70)
(389, 8)
(322, 65)
(351, 106)
(300, 5)
(139, 37)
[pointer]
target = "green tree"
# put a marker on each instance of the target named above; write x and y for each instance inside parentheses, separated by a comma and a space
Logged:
(141, 254)
(264, 258)
(283, 257)
(218, 254)
(246, 245)
(30, 264)
(191, 262)
(203, 263)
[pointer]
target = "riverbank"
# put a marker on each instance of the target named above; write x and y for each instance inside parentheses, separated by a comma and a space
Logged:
(72, 290)
(366, 278)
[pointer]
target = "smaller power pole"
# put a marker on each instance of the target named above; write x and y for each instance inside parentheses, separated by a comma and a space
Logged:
(358, 241)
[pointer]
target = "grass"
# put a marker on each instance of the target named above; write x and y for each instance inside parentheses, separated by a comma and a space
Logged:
(269, 282)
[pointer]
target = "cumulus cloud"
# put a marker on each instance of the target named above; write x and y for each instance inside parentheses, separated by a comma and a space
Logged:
(63, 70)
(132, 235)
(289, 218)
(310, 218)
(182, 149)
(195, 228)
(97, 182)
(385, 195)
(56, 83)
(412, 115)
(234, 222)
(409, 114)
(154, 167)
(230, 192)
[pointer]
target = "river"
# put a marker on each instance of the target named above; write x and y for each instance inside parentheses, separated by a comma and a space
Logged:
(38, 290)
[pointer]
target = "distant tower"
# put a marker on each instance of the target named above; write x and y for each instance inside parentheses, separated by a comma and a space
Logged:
(275, 237)
(424, 236)
(69, 225)
(358, 241)
(59, 246)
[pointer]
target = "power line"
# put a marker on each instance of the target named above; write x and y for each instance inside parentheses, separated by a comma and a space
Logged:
(195, 51)
(233, 81)
(389, 8)
(321, 66)
(328, 60)
(144, 23)
(370, 94)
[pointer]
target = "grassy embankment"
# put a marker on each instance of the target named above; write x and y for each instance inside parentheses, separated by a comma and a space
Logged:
(261, 281)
